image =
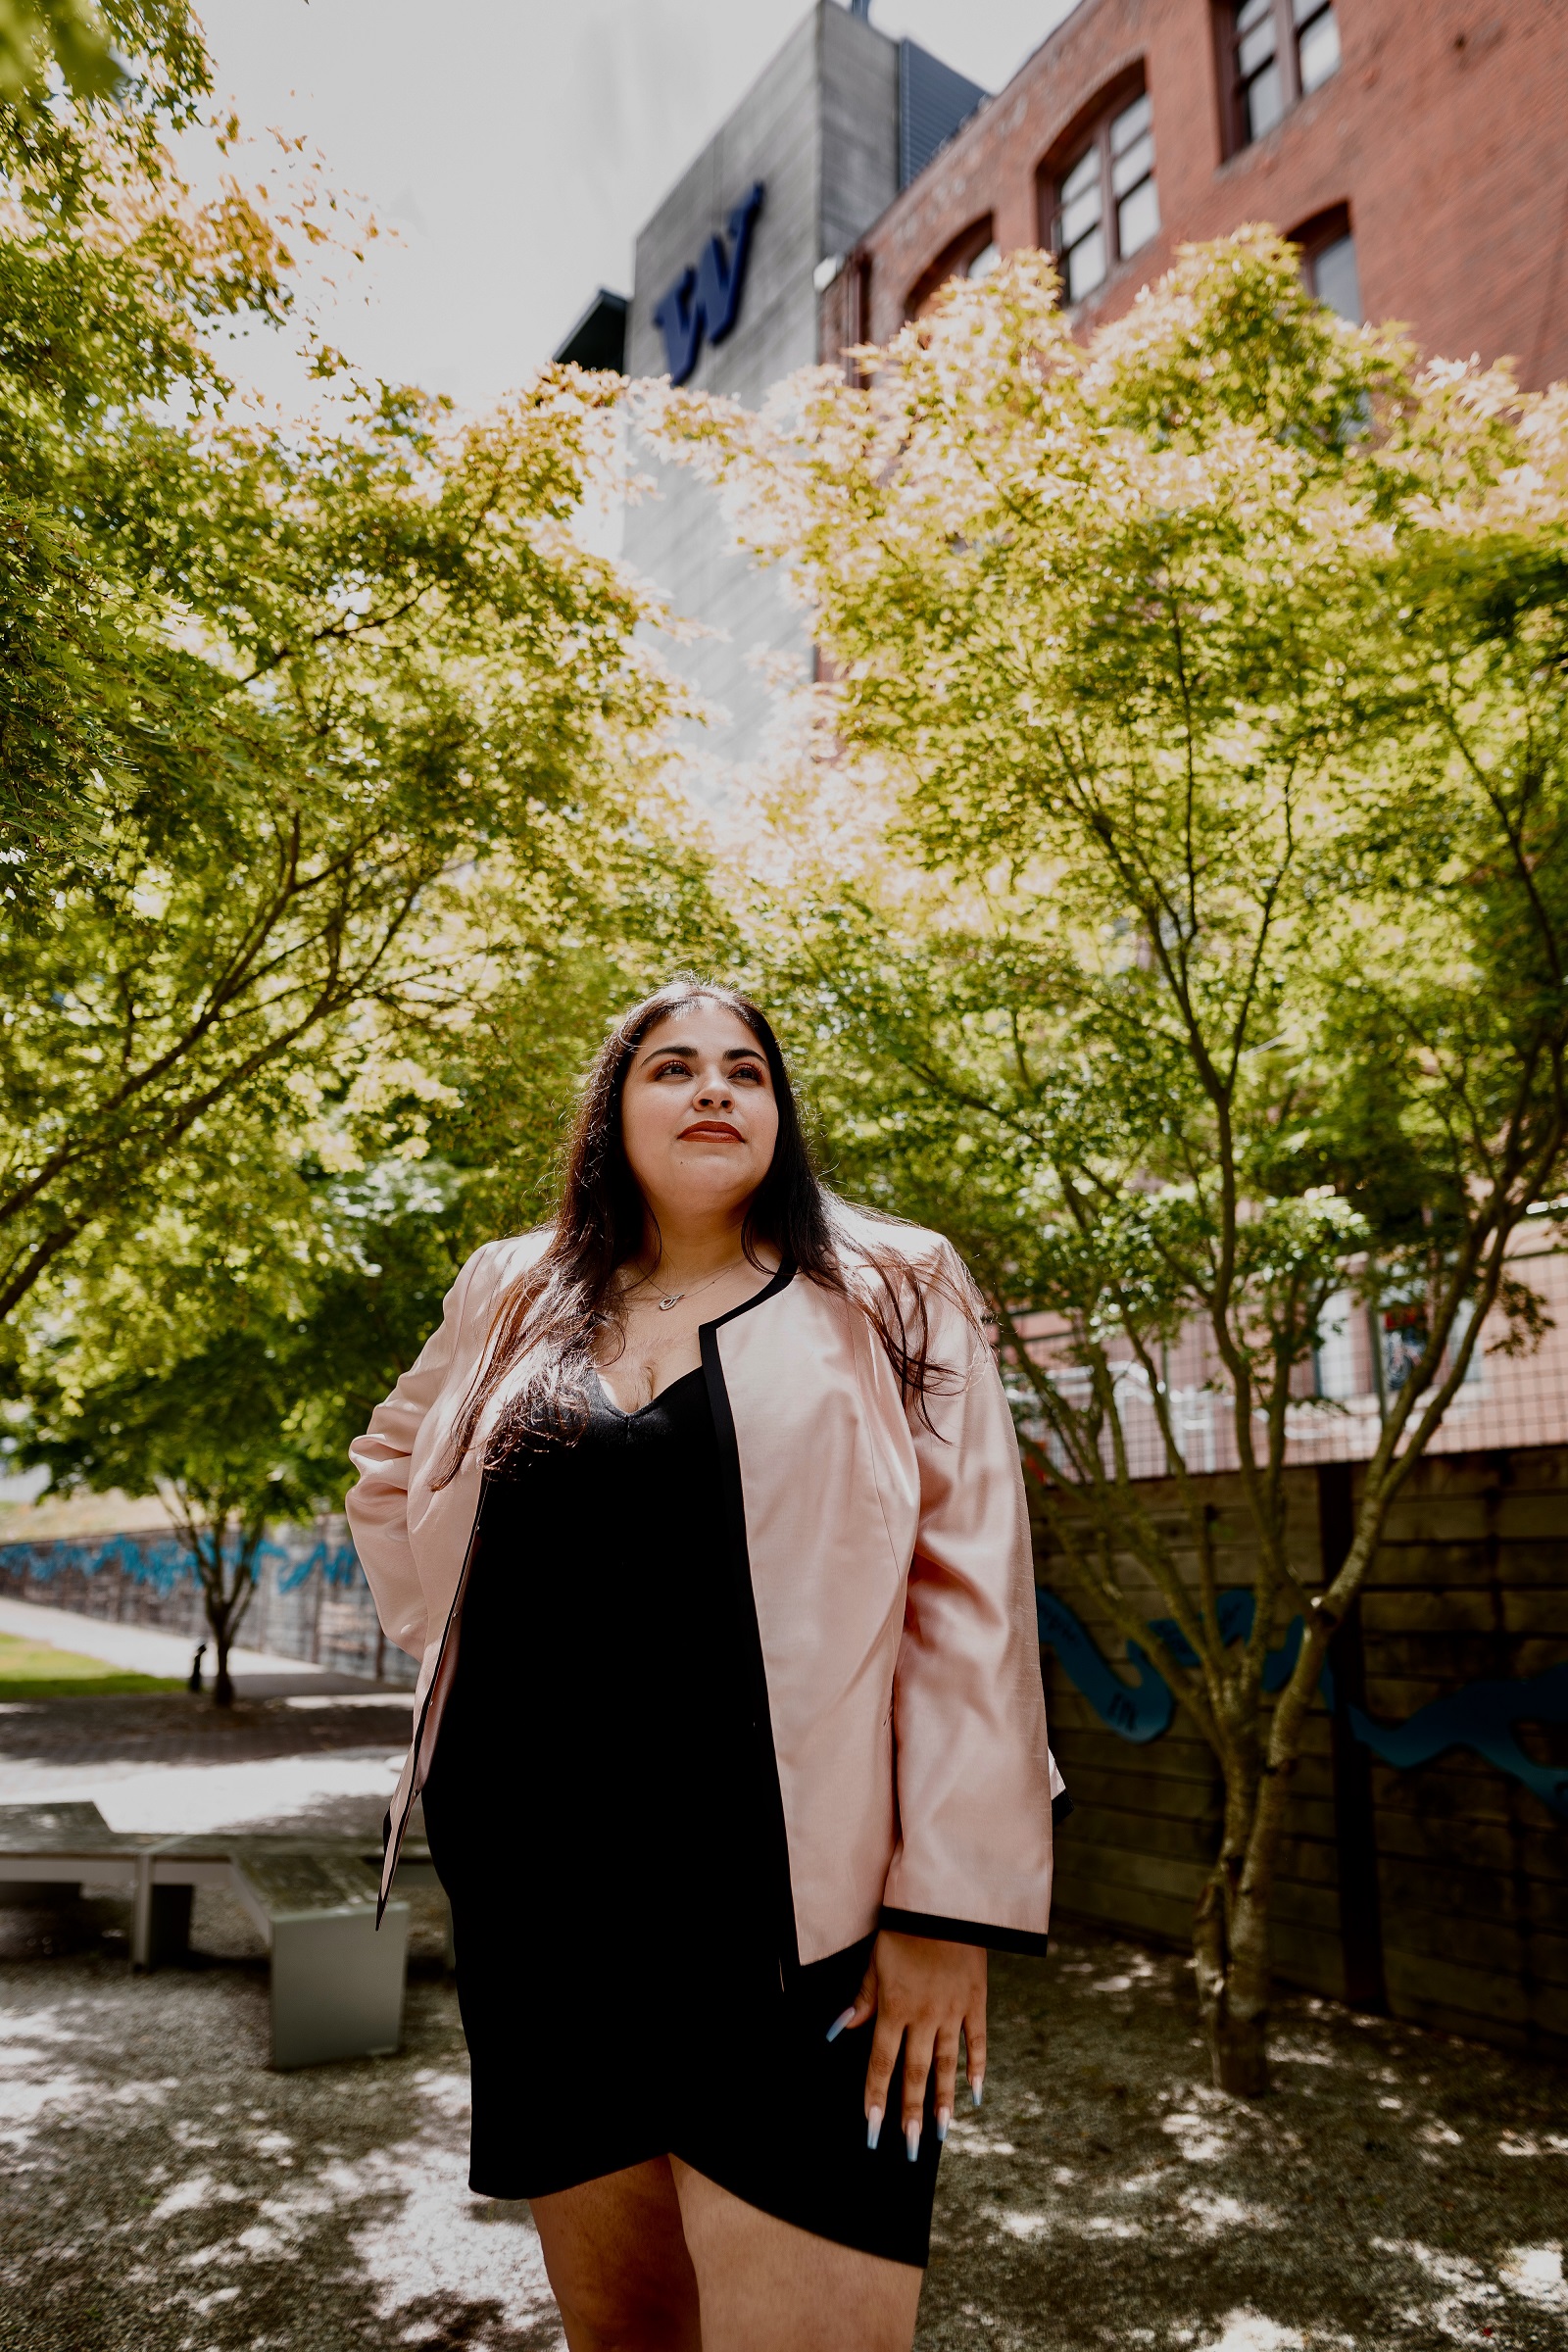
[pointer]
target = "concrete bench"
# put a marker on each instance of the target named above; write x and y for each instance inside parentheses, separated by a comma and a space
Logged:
(336, 1984)
(46, 1847)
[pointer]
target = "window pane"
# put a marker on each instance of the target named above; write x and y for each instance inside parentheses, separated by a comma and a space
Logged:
(1252, 12)
(1265, 101)
(1136, 165)
(1256, 48)
(1319, 51)
(1131, 123)
(1076, 220)
(1306, 10)
(1086, 266)
(1137, 219)
(1335, 281)
(1085, 174)
(985, 261)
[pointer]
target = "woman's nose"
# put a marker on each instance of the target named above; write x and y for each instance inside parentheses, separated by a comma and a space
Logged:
(714, 1097)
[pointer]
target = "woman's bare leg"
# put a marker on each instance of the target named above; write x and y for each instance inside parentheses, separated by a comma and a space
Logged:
(617, 2263)
(766, 2286)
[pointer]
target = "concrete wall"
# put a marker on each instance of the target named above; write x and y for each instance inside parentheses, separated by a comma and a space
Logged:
(1442, 130)
(819, 128)
(146, 1578)
(860, 132)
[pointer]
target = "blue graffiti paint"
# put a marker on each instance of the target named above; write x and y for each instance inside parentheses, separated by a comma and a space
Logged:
(707, 299)
(1480, 1717)
(159, 1561)
(164, 1561)
(1234, 1614)
(1139, 1712)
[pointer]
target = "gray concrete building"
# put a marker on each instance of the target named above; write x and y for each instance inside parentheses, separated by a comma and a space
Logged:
(727, 276)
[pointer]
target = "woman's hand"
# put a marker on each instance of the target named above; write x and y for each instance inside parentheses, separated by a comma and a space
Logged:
(923, 1994)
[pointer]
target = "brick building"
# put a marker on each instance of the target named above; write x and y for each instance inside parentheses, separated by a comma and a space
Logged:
(1415, 147)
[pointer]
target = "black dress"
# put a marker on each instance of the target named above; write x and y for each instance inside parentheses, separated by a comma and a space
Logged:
(604, 1814)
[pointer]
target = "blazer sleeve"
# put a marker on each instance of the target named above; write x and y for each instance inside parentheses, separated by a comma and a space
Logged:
(377, 1504)
(975, 1774)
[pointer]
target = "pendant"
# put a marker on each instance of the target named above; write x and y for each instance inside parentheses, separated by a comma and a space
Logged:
(674, 1299)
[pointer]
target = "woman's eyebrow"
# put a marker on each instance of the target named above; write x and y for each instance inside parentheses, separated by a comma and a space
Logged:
(730, 1054)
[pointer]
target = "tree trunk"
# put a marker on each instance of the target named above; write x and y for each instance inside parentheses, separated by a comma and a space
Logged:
(1230, 1955)
(222, 1687)
(226, 1597)
(222, 1617)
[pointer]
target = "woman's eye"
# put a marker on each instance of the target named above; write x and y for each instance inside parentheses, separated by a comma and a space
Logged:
(749, 1071)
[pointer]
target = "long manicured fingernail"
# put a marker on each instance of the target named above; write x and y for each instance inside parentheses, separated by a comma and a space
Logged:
(976, 2086)
(944, 2119)
(912, 2142)
(874, 2127)
(839, 2023)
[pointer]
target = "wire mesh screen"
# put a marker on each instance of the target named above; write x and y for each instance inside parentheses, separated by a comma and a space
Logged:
(1365, 1356)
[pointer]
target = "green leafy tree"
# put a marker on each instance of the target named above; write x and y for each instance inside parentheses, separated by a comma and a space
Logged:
(1175, 898)
(216, 1435)
(225, 1351)
(286, 714)
(231, 1386)
(332, 813)
(99, 53)
(431, 674)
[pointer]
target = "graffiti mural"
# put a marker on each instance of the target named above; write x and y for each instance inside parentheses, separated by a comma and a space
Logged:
(310, 1600)
(164, 1561)
(1480, 1717)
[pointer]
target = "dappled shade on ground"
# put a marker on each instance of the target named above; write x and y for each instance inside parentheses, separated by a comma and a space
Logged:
(166, 2190)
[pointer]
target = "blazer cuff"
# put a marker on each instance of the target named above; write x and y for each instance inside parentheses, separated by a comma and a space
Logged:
(965, 1931)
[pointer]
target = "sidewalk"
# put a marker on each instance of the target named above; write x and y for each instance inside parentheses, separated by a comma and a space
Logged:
(305, 1750)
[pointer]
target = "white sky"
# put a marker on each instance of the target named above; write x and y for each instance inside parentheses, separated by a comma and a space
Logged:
(517, 145)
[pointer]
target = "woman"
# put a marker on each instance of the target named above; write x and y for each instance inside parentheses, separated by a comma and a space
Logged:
(702, 1514)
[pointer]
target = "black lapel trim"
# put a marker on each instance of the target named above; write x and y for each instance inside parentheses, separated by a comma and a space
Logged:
(780, 1282)
(414, 1782)
(761, 1721)
(964, 1931)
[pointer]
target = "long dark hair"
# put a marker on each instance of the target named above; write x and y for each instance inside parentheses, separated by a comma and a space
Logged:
(559, 1310)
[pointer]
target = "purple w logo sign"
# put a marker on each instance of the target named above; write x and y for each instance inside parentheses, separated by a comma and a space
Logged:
(708, 297)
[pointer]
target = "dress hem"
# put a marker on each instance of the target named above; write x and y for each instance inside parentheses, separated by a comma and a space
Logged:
(832, 2238)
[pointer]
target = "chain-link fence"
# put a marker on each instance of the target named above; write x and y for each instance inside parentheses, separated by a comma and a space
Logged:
(1367, 1353)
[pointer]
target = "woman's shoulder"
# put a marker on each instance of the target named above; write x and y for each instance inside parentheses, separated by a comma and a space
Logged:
(495, 1266)
(869, 1235)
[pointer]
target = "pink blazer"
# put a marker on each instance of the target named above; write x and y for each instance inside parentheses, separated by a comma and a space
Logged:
(891, 1572)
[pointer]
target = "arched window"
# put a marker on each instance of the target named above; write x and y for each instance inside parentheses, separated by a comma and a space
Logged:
(972, 254)
(1099, 193)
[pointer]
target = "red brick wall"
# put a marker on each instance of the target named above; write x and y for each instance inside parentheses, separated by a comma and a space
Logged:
(1443, 130)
